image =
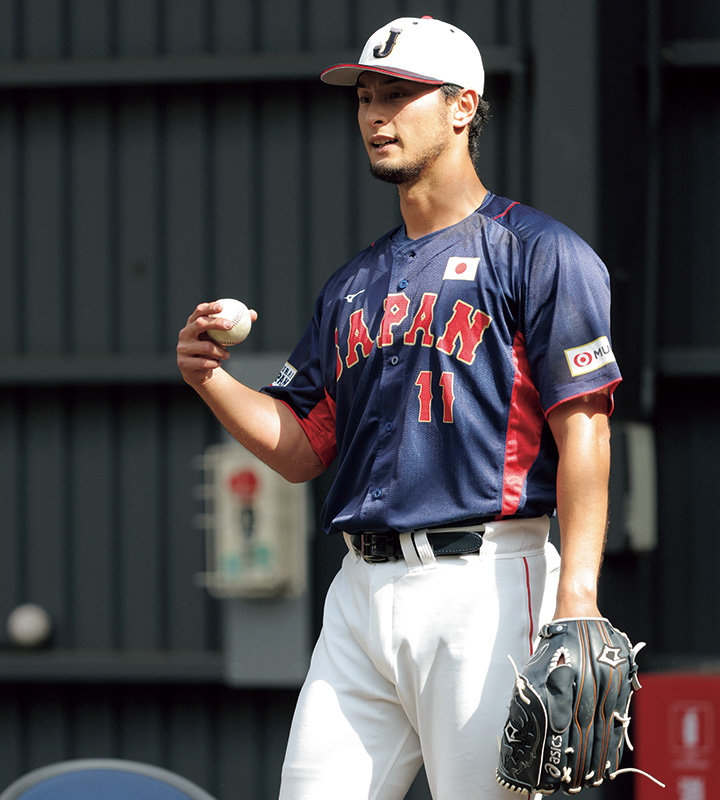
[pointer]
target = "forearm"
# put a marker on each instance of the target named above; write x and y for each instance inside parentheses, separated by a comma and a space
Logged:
(263, 425)
(582, 500)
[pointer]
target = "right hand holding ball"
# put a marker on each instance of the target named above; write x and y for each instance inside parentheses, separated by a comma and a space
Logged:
(239, 315)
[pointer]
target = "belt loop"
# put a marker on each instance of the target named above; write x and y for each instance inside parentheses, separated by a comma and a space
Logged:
(350, 545)
(417, 551)
(409, 554)
(424, 548)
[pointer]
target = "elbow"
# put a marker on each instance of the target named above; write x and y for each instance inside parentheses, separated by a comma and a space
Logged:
(301, 477)
(300, 472)
(293, 455)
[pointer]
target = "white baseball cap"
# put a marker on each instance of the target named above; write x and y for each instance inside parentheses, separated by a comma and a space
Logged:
(419, 49)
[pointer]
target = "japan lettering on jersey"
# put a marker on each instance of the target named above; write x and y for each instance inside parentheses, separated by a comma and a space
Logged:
(430, 365)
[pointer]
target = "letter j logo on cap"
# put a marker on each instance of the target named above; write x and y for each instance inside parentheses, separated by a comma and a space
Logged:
(385, 51)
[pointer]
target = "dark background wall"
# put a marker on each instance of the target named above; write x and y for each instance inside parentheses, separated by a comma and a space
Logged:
(156, 153)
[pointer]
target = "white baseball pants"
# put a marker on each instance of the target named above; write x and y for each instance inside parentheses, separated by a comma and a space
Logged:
(412, 667)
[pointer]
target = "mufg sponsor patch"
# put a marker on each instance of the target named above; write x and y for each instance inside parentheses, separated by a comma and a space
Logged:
(287, 373)
(589, 357)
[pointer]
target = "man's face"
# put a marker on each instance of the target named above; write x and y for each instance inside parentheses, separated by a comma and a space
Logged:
(405, 126)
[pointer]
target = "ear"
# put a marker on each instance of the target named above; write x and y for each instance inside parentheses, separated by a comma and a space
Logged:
(464, 108)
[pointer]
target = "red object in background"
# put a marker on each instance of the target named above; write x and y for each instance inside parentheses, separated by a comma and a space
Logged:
(675, 731)
(244, 483)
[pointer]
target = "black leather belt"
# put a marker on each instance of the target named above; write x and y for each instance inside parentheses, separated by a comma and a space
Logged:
(378, 547)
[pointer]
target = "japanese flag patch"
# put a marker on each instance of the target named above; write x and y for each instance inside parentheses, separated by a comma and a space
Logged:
(461, 269)
(589, 357)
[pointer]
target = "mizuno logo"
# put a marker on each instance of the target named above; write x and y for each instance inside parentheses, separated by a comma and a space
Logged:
(350, 297)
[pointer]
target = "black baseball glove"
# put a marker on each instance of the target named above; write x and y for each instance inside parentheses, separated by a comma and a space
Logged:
(570, 709)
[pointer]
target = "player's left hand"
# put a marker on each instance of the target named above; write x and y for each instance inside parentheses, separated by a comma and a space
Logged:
(570, 710)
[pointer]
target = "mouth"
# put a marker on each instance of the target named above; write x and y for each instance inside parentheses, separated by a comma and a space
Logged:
(378, 142)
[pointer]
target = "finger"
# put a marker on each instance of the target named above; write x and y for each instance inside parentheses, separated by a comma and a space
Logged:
(197, 359)
(198, 369)
(200, 321)
(201, 364)
(201, 346)
(612, 655)
(581, 730)
(202, 310)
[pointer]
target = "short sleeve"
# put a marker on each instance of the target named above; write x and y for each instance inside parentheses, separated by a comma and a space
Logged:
(566, 319)
(301, 387)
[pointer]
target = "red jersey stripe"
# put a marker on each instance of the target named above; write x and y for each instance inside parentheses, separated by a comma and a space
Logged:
(499, 216)
(319, 427)
(524, 431)
(609, 388)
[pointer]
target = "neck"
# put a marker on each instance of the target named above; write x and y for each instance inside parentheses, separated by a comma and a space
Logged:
(440, 199)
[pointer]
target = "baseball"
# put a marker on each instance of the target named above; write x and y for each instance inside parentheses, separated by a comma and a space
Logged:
(239, 315)
(29, 625)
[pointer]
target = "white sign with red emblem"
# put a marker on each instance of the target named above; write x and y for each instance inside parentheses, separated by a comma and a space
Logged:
(256, 524)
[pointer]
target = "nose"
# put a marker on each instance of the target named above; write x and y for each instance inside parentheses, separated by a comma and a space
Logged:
(374, 113)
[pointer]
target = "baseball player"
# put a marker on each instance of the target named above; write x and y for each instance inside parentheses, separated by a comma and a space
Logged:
(460, 372)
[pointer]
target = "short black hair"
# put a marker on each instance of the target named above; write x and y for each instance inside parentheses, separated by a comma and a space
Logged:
(450, 92)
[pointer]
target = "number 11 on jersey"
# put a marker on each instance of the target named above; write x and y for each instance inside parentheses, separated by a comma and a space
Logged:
(425, 395)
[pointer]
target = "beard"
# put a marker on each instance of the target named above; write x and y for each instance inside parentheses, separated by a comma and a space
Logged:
(404, 173)
(408, 172)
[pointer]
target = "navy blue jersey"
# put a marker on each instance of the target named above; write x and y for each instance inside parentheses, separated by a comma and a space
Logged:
(429, 367)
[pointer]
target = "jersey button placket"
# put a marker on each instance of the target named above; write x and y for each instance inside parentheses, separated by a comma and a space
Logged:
(388, 388)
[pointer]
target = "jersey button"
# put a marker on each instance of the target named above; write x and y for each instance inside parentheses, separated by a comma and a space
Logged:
(389, 427)
(402, 284)
(377, 494)
(394, 360)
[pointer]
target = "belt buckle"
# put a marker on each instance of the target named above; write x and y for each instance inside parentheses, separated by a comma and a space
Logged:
(374, 548)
